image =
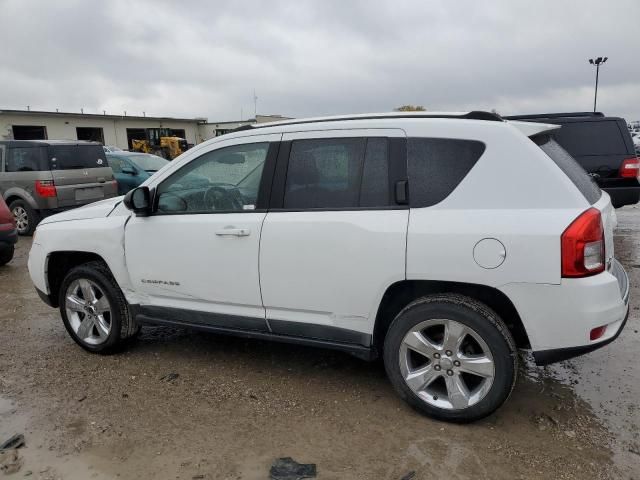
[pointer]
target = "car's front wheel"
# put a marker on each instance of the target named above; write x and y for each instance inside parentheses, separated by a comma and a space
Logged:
(451, 357)
(94, 310)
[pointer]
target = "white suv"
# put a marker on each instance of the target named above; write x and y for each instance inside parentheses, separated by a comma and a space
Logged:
(441, 242)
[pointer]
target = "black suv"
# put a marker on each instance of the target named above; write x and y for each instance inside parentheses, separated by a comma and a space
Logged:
(602, 145)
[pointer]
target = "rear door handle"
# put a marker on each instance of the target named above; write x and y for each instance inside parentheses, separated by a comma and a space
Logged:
(234, 232)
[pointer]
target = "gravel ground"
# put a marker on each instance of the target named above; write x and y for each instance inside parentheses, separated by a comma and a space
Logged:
(186, 405)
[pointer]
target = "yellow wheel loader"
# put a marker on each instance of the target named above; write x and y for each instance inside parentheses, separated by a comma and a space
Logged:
(159, 141)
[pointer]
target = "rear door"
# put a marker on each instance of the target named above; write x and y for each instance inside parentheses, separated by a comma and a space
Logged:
(81, 174)
(335, 236)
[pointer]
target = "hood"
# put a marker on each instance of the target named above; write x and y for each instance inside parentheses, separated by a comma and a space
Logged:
(92, 210)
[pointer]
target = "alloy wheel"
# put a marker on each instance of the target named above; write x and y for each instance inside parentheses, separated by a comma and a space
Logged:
(447, 364)
(88, 311)
(22, 218)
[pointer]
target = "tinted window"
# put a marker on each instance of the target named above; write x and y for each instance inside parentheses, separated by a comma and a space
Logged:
(70, 157)
(591, 138)
(26, 159)
(324, 173)
(337, 173)
(570, 167)
(216, 181)
(437, 166)
(375, 175)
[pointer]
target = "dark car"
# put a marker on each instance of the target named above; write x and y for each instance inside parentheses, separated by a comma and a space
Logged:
(604, 148)
(130, 169)
(8, 233)
(41, 177)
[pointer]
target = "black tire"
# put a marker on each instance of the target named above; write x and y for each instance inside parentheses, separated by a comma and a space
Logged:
(33, 218)
(122, 326)
(484, 322)
(6, 254)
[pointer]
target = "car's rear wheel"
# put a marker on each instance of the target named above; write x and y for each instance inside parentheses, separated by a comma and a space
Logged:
(26, 217)
(6, 254)
(94, 310)
(451, 357)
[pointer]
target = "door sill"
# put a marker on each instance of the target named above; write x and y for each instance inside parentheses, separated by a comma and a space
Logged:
(251, 328)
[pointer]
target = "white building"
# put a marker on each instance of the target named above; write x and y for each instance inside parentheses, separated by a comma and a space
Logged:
(116, 130)
(215, 129)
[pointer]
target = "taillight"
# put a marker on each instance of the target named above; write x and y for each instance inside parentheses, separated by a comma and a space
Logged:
(630, 168)
(583, 245)
(46, 188)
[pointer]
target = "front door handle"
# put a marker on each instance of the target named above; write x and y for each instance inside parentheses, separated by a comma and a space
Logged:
(233, 232)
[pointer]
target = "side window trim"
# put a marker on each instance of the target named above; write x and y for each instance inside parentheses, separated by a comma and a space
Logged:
(264, 189)
(397, 158)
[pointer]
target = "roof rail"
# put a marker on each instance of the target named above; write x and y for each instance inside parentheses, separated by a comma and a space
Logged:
(481, 115)
(475, 115)
(241, 128)
(554, 115)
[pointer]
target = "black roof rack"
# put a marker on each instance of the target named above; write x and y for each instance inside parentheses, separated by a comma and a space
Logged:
(241, 128)
(554, 115)
(475, 115)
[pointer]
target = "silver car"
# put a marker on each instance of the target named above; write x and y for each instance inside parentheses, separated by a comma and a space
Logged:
(41, 177)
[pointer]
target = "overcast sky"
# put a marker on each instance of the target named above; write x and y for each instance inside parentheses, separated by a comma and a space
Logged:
(308, 58)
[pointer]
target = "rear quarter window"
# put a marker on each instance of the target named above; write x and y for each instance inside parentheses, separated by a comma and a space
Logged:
(591, 138)
(70, 157)
(570, 167)
(24, 159)
(436, 166)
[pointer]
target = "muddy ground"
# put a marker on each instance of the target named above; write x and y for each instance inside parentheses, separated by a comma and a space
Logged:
(235, 405)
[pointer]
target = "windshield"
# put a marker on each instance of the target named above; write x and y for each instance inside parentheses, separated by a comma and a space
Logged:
(147, 162)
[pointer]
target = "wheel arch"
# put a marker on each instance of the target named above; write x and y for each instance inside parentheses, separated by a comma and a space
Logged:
(400, 294)
(59, 263)
(13, 194)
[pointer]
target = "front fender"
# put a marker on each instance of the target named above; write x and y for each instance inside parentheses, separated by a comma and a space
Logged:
(101, 236)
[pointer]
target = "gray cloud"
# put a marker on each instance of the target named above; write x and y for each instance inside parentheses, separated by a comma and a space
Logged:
(317, 57)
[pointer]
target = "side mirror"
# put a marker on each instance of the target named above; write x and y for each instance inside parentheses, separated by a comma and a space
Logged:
(128, 171)
(138, 201)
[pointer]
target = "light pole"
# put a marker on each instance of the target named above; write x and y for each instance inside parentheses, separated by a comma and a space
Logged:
(597, 62)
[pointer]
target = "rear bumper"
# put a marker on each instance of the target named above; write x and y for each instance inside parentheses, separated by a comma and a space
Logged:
(559, 318)
(546, 357)
(621, 196)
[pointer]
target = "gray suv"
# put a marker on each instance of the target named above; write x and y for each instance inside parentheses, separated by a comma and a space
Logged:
(41, 177)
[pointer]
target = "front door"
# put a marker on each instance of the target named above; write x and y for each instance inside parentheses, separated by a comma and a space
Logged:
(195, 258)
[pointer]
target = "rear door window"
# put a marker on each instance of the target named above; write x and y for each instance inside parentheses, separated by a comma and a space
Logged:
(570, 167)
(437, 166)
(24, 159)
(337, 173)
(591, 138)
(70, 157)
